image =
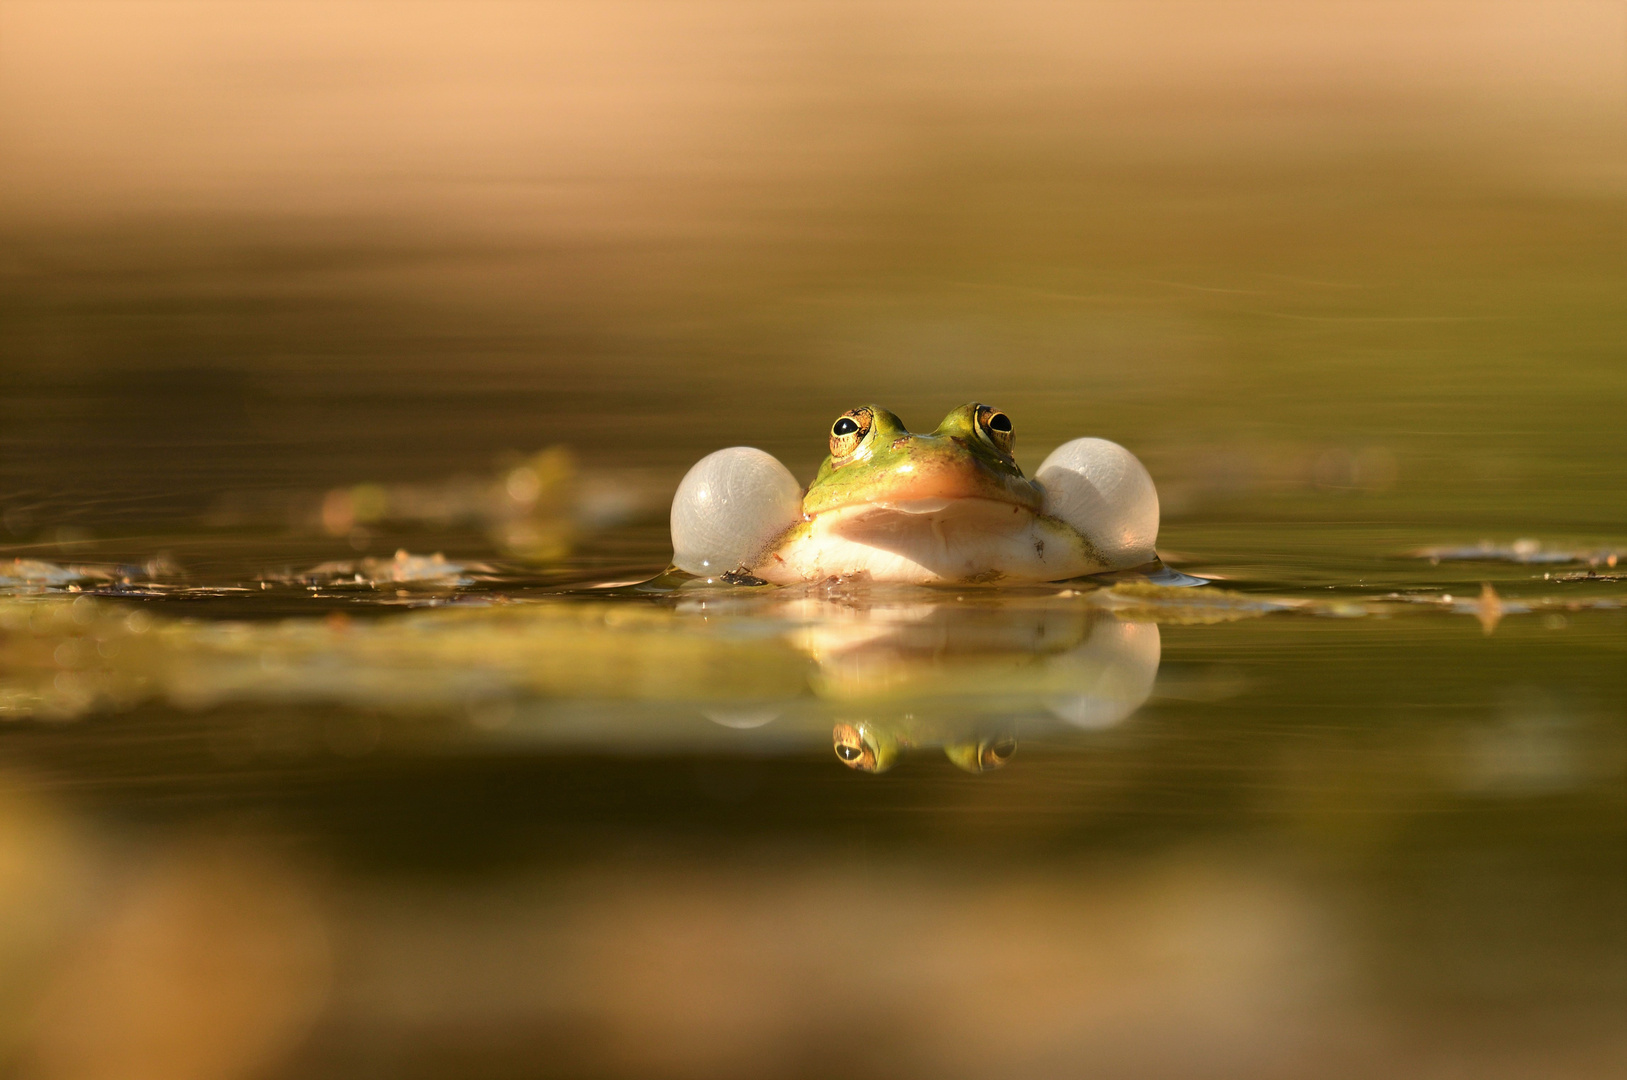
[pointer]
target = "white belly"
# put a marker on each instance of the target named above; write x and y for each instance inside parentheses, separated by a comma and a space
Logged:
(965, 540)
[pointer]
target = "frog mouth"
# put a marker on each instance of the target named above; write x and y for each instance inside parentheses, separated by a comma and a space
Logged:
(927, 505)
(921, 491)
(930, 513)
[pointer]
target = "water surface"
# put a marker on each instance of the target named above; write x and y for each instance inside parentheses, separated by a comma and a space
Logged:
(277, 801)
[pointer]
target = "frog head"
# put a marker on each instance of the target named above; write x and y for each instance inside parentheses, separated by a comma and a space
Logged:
(890, 505)
(876, 461)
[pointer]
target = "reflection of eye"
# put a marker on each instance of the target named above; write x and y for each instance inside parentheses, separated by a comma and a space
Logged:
(985, 754)
(844, 426)
(994, 755)
(849, 753)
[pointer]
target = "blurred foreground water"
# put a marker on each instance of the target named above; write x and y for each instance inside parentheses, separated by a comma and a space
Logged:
(345, 384)
(1352, 814)
(557, 831)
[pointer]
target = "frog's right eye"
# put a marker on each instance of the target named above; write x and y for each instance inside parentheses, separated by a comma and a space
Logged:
(996, 427)
(849, 431)
(993, 756)
(849, 753)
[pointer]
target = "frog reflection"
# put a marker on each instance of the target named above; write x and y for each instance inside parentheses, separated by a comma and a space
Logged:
(866, 747)
(897, 668)
(984, 755)
(959, 677)
(874, 747)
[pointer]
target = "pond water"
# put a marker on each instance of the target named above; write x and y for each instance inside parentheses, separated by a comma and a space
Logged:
(487, 807)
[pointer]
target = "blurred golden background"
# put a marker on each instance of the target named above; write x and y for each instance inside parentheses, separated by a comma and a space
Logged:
(1350, 277)
(271, 245)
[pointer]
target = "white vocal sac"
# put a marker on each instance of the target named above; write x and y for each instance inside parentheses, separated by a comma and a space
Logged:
(729, 508)
(1105, 493)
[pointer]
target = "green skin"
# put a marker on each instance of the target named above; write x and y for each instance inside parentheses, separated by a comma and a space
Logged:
(956, 461)
(951, 506)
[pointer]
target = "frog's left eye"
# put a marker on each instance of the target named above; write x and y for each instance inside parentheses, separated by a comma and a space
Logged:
(849, 431)
(851, 748)
(996, 427)
(864, 751)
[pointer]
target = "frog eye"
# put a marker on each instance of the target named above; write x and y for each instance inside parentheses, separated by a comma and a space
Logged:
(996, 427)
(864, 750)
(983, 755)
(851, 748)
(849, 431)
(994, 755)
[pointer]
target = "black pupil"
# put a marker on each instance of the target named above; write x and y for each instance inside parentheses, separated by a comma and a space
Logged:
(847, 753)
(845, 426)
(999, 422)
(1004, 748)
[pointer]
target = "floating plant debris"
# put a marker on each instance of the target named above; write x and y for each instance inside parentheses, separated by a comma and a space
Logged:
(535, 507)
(38, 575)
(35, 572)
(1179, 604)
(1525, 551)
(404, 568)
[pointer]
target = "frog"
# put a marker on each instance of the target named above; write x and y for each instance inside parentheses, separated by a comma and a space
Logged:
(946, 507)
